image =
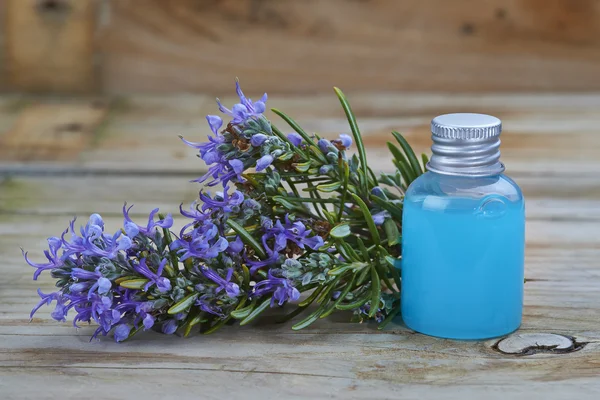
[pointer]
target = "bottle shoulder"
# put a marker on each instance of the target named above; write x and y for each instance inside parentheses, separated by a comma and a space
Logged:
(433, 184)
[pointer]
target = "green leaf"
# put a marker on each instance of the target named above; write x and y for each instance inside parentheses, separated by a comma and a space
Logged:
(389, 317)
(368, 218)
(372, 175)
(305, 200)
(302, 167)
(375, 292)
(391, 231)
(331, 187)
(355, 131)
(345, 172)
(329, 216)
(294, 125)
(285, 139)
(282, 200)
(354, 304)
(409, 153)
(246, 274)
(352, 254)
(425, 160)
(340, 231)
(391, 261)
(308, 320)
(138, 283)
(393, 209)
(170, 269)
(247, 238)
(308, 301)
(183, 304)
(222, 322)
(256, 312)
(342, 296)
(365, 253)
(309, 141)
(402, 164)
(243, 312)
(194, 318)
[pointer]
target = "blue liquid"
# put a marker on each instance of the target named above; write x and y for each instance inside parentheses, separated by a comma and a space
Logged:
(463, 256)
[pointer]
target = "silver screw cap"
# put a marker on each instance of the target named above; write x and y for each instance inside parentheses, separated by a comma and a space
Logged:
(466, 145)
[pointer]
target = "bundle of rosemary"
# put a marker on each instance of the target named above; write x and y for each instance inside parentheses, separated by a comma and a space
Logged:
(296, 214)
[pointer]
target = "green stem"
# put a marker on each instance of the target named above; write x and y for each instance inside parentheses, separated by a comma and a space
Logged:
(355, 131)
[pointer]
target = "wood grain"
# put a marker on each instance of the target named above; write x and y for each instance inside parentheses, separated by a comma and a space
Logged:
(309, 46)
(50, 45)
(51, 131)
(551, 146)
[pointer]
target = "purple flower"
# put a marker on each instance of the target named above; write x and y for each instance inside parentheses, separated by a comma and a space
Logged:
(169, 327)
(245, 109)
(295, 232)
(121, 332)
(377, 191)
(54, 261)
(238, 168)
(59, 313)
(163, 284)
(194, 213)
(139, 309)
(273, 257)
(379, 218)
(205, 305)
(325, 146)
(223, 172)
(344, 140)
(258, 139)
(133, 229)
(295, 138)
(208, 151)
(91, 279)
(236, 246)
(231, 288)
(264, 162)
(202, 242)
(222, 201)
(148, 321)
(282, 290)
(93, 242)
(325, 169)
(99, 308)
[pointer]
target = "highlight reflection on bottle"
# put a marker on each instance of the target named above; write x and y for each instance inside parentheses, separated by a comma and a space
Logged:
(463, 236)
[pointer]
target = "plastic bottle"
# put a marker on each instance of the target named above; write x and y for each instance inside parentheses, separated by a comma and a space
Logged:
(463, 236)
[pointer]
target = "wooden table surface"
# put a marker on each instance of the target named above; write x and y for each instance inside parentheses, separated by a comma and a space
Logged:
(65, 157)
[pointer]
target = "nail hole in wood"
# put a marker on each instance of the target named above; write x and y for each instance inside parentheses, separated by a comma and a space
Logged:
(53, 6)
(526, 344)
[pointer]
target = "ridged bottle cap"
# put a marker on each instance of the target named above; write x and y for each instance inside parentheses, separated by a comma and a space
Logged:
(466, 144)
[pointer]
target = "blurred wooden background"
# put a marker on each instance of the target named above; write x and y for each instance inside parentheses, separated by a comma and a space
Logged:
(300, 46)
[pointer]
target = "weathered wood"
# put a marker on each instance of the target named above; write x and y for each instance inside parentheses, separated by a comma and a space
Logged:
(542, 134)
(308, 46)
(50, 45)
(551, 145)
(51, 132)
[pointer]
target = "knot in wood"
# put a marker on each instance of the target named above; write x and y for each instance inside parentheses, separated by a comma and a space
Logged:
(526, 344)
(53, 6)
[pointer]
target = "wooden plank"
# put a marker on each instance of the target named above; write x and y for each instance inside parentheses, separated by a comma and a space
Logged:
(310, 46)
(50, 45)
(186, 382)
(543, 134)
(557, 198)
(51, 131)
